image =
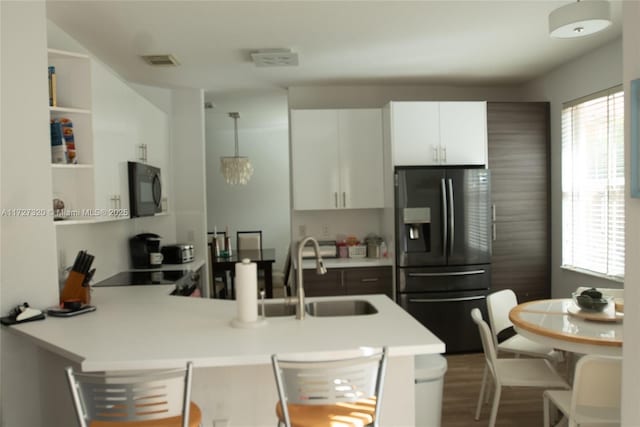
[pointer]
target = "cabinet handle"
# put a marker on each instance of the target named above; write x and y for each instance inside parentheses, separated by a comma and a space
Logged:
(445, 274)
(447, 299)
(344, 199)
(444, 154)
(335, 198)
(146, 153)
(370, 279)
(435, 153)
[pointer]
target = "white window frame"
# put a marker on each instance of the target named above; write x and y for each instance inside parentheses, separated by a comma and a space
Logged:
(608, 186)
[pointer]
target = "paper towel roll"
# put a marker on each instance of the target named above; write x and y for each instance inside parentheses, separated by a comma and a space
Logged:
(246, 283)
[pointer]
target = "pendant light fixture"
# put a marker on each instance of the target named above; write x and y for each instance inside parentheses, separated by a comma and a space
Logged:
(579, 19)
(236, 169)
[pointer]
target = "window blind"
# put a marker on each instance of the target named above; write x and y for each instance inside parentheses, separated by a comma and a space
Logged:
(593, 184)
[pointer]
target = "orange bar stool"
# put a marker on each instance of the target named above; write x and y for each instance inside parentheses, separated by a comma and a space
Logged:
(137, 399)
(345, 392)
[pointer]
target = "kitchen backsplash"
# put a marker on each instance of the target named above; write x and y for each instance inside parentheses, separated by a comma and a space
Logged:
(327, 225)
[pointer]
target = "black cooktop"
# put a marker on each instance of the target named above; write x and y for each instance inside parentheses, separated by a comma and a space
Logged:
(136, 278)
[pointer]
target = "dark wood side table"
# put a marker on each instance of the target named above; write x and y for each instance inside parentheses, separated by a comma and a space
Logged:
(263, 258)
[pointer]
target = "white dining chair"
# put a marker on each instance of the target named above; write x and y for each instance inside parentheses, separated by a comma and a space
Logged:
(511, 372)
(135, 399)
(345, 392)
(499, 304)
(595, 398)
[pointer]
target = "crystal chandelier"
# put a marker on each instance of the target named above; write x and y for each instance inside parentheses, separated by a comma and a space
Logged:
(236, 169)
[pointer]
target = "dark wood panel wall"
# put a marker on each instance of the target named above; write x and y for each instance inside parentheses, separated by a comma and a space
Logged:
(519, 160)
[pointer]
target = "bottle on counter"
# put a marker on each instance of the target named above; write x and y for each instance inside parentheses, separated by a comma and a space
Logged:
(227, 242)
(383, 250)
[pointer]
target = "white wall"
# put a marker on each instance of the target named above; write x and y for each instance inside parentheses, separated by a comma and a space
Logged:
(631, 349)
(599, 69)
(263, 134)
(188, 169)
(370, 96)
(28, 266)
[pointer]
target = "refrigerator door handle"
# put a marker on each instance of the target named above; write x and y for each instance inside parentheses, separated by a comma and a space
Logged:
(444, 217)
(452, 225)
(452, 273)
(447, 299)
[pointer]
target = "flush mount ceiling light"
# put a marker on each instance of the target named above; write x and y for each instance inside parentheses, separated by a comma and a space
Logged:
(236, 169)
(274, 58)
(579, 19)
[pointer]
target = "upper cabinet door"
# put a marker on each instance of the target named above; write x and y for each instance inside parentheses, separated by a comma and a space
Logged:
(314, 158)
(361, 176)
(463, 133)
(415, 133)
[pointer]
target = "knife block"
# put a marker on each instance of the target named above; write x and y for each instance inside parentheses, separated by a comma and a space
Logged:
(73, 289)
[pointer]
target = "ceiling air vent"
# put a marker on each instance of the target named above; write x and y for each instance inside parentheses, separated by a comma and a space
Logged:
(274, 58)
(160, 60)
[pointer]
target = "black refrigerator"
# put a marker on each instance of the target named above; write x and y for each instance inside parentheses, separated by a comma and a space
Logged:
(443, 249)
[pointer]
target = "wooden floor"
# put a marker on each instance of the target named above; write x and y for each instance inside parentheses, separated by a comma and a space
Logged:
(521, 407)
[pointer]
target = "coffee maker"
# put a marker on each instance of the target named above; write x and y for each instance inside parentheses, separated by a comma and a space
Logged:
(145, 250)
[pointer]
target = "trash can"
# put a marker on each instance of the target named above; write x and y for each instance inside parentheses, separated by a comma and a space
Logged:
(429, 380)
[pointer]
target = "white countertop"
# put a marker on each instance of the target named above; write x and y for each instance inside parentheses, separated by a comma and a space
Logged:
(310, 263)
(142, 327)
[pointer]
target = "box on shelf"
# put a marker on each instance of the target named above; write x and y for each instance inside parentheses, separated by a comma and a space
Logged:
(58, 146)
(69, 140)
(63, 147)
(53, 101)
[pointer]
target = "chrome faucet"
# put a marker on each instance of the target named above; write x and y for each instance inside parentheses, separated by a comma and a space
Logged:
(320, 269)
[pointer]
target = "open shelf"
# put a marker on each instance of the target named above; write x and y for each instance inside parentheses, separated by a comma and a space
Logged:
(57, 53)
(69, 110)
(70, 166)
(88, 221)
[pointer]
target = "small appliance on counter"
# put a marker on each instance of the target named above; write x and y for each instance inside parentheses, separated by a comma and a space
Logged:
(178, 253)
(145, 250)
(328, 249)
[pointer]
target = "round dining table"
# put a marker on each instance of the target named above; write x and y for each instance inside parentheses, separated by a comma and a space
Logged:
(558, 323)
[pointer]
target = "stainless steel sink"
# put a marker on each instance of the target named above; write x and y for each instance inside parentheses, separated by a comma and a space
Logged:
(340, 308)
(277, 310)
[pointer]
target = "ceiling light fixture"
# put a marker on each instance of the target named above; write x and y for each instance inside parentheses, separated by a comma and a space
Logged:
(274, 58)
(579, 19)
(236, 169)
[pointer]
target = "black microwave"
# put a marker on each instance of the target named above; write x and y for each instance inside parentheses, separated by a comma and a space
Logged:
(145, 189)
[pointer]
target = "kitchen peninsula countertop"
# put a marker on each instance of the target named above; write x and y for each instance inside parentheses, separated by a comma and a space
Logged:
(142, 327)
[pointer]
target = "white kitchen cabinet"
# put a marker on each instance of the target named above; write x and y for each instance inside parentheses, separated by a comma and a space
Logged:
(463, 133)
(337, 159)
(123, 120)
(314, 155)
(360, 159)
(416, 133)
(438, 133)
